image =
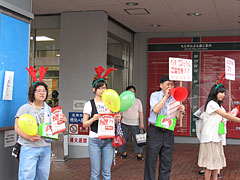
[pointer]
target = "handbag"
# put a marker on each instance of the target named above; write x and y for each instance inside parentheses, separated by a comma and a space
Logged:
(141, 137)
(118, 139)
(16, 150)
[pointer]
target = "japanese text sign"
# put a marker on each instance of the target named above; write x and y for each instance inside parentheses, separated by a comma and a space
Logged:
(229, 68)
(78, 140)
(106, 126)
(75, 117)
(180, 69)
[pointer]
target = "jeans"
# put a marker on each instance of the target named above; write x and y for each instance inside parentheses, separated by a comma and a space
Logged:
(134, 130)
(101, 148)
(34, 163)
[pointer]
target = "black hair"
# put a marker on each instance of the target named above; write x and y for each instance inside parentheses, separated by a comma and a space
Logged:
(131, 87)
(55, 94)
(32, 90)
(164, 78)
(213, 95)
(99, 84)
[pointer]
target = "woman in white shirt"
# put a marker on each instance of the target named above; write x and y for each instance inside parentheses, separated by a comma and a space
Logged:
(211, 155)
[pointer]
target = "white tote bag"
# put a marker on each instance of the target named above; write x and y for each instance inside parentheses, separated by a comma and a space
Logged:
(141, 137)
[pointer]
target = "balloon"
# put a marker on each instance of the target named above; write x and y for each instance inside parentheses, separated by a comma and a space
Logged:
(127, 99)
(111, 99)
(28, 124)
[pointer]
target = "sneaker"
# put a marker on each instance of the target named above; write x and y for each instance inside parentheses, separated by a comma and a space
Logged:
(201, 172)
(123, 156)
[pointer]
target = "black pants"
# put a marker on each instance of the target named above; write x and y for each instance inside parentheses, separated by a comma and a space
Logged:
(160, 142)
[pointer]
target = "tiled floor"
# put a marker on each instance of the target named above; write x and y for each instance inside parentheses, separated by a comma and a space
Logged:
(184, 165)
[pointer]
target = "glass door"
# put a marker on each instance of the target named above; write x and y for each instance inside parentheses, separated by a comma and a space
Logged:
(118, 55)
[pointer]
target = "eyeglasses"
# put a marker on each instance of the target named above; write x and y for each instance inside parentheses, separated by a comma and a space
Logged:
(41, 91)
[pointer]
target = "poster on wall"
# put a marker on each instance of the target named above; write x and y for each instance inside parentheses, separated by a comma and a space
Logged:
(208, 63)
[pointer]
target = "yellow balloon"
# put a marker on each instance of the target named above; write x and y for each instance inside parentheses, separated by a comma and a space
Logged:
(28, 124)
(111, 99)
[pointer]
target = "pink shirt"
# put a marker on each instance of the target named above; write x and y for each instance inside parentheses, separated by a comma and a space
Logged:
(131, 116)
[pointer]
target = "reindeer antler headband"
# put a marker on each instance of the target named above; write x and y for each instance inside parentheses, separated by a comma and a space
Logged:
(220, 83)
(99, 70)
(32, 71)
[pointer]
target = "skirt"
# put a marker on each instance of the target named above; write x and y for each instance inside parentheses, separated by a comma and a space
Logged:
(211, 156)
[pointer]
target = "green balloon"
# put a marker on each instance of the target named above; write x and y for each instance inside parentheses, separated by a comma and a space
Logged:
(127, 99)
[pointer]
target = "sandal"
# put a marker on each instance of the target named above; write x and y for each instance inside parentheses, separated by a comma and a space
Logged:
(140, 157)
(124, 155)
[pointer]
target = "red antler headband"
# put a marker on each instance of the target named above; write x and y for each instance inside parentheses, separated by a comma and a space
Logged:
(99, 70)
(32, 71)
(220, 83)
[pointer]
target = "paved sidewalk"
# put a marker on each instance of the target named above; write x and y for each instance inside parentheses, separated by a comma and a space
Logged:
(184, 165)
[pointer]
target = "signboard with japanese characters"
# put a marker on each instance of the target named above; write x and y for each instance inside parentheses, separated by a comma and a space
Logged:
(78, 140)
(210, 56)
(75, 117)
(180, 69)
(229, 69)
(75, 124)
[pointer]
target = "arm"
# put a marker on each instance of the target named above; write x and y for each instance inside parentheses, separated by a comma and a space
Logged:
(24, 135)
(86, 122)
(141, 120)
(227, 115)
(160, 104)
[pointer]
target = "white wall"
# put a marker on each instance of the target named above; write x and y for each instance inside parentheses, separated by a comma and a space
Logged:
(140, 66)
(83, 46)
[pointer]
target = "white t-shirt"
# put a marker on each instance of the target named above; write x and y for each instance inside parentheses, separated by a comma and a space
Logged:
(210, 123)
(101, 109)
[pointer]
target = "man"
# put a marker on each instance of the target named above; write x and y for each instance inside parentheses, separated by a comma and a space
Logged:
(160, 142)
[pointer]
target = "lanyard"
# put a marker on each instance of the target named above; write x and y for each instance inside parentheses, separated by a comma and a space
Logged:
(40, 118)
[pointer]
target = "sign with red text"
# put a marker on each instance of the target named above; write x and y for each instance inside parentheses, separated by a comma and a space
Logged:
(78, 140)
(106, 126)
(172, 109)
(180, 69)
(229, 68)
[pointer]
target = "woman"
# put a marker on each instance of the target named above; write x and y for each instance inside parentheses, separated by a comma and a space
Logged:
(211, 155)
(132, 120)
(35, 153)
(98, 148)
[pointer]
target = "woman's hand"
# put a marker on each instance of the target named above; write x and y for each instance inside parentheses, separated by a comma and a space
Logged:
(117, 117)
(141, 126)
(181, 108)
(63, 119)
(34, 138)
(96, 117)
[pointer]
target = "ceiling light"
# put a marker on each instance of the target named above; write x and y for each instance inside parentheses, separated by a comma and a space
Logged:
(194, 14)
(131, 4)
(58, 55)
(155, 25)
(42, 38)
